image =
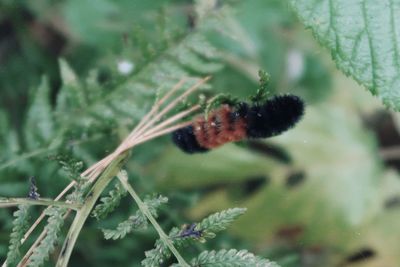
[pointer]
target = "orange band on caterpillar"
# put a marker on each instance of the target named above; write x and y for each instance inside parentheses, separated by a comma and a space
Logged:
(231, 124)
(219, 128)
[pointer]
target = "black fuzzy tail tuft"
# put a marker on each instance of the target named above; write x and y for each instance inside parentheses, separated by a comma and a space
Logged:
(185, 139)
(275, 116)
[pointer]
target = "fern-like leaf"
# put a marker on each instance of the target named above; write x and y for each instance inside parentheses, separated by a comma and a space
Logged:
(161, 252)
(96, 108)
(70, 166)
(137, 221)
(20, 225)
(110, 202)
(53, 228)
(207, 227)
(39, 126)
(230, 258)
(71, 95)
(81, 188)
(125, 227)
(219, 221)
(9, 144)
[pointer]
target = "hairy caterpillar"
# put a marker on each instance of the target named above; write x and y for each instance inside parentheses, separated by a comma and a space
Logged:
(230, 124)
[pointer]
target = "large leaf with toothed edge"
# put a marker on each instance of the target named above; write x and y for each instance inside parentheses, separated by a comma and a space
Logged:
(364, 39)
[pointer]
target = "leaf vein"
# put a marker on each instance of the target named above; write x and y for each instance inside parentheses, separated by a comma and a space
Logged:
(394, 37)
(371, 49)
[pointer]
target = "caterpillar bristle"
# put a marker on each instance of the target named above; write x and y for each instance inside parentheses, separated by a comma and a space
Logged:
(275, 116)
(185, 139)
(230, 124)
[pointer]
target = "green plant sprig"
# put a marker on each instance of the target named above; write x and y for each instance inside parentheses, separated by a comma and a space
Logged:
(9, 202)
(145, 210)
(83, 213)
(262, 92)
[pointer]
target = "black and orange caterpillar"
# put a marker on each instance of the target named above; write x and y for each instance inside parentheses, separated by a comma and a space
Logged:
(234, 123)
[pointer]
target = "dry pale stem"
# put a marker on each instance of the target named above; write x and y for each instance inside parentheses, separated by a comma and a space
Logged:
(137, 136)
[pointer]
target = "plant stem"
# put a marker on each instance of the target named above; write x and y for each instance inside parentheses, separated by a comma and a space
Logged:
(9, 202)
(83, 213)
(25, 260)
(143, 208)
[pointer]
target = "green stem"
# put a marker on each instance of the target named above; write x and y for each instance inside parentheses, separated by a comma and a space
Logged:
(53, 146)
(143, 208)
(24, 156)
(84, 212)
(9, 202)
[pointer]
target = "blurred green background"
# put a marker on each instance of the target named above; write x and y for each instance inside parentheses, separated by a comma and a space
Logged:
(326, 193)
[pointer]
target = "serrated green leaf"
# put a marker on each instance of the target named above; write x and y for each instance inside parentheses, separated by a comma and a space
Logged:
(363, 37)
(71, 95)
(137, 221)
(9, 143)
(125, 227)
(39, 127)
(110, 202)
(20, 226)
(221, 220)
(231, 258)
(47, 245)
(208, 227)
(68, 76)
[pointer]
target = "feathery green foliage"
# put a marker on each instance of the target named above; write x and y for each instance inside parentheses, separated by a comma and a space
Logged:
(137, 221)
(81, 188)
(220, 221)
(53, 229)
(262, 92)
(207, 227)
(70, 166)
(20, 224)
(160, 252)
(39, 127)
(85, 103)
(230, 258)
(219, 100)
(91, 109)
(153, 203)
(125, 227)
(110, 202)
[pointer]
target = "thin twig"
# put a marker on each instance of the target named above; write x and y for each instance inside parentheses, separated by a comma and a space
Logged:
(160, 133)
(25, 260)
(173, 119)
(10, 202)
(127, 143)
(173, 104)
(144, 209)
(43, 214)
(157, 105)
(135, 132)
(84, 212)
(137, 136)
